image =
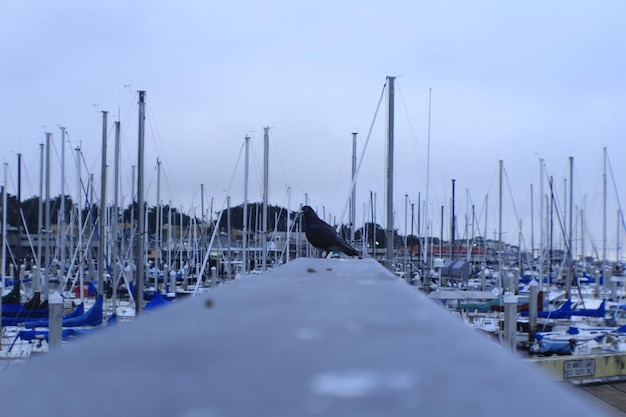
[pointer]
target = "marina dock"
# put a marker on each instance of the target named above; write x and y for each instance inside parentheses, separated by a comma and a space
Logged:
(341, 337)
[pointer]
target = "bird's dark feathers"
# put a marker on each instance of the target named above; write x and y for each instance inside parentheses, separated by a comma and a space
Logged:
(322, 235)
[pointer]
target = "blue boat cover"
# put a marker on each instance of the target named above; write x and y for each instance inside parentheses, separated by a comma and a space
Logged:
(92, 317)
(157, 301)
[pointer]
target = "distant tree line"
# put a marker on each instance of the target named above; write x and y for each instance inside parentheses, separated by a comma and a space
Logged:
(375, 234)
(30, 211)
(277, 220)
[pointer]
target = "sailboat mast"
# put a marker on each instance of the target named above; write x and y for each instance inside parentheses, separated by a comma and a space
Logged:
(452, 221)
(353, 198)
(181, 239)
(169, 238)
(19, 191)
(604, 265)
(202, 222)
(501, 247)
(266, 145)
(228, 234)
(288, 226)
(133, 168)
(79, 192)
(570, 257)
(47, 260)
(468, 251)
(158, 227)
(102, 211)
(550, 219)
(532, 224)
(617, 236)
(19, 179)
(114, 224)
(390, 140)
(374, 228)
(244, 256)
(4, 227)
(406, 232)
(542, 230)
(412, 234)
(4, 245)
(37, 279)
(441, 235)
(62, 208)
(426, 228)
(484, 262)
(582, 228)
(141, 256)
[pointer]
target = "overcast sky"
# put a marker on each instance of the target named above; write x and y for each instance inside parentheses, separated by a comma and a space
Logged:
(515, 81)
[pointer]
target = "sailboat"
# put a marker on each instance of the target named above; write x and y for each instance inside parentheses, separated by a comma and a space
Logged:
(15, 312)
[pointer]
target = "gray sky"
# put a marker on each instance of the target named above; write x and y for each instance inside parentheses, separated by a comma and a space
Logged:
(511, 81)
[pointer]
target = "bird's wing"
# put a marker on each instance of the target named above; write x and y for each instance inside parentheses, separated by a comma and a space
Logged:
(320, 235)
(343, 246)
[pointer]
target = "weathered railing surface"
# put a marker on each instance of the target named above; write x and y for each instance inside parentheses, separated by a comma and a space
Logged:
(314, 337)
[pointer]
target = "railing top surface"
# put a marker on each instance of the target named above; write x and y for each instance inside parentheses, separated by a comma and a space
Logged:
(313, 337)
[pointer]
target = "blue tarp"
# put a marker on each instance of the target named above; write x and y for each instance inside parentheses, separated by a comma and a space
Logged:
(66, 333)
(14, 321)
(92, 317)
(13, 314)
(78, 311)
(599, 312)
(92, 288)
(157, 301)
(565, 312)
(562, 312)
(36, 334)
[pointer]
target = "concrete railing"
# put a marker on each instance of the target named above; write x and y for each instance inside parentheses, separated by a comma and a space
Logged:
(313, 337)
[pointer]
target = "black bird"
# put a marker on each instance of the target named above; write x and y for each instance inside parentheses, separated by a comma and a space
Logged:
(323, 236)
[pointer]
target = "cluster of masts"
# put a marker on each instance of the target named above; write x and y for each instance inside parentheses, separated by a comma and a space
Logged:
(116, 257)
